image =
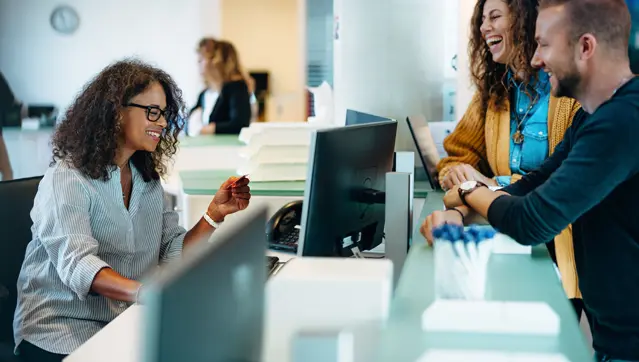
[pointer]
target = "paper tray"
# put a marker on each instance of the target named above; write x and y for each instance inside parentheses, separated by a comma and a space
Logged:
(467, 316)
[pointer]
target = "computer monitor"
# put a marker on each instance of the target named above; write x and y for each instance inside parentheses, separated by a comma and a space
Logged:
(209, 307)
(426, 149)
(344, 196)
(356, 117)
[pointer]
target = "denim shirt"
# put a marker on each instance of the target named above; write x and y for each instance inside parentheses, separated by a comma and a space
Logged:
(529, 154)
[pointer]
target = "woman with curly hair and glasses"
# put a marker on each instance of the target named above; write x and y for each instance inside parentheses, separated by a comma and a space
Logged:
(99, 218)
(512, 123)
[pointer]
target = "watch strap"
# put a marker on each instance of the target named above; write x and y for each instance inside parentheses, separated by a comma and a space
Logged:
(463, 193)
(460, 213)
(213, 223)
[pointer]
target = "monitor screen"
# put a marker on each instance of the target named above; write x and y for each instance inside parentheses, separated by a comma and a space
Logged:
(344, 197)
(209, 306)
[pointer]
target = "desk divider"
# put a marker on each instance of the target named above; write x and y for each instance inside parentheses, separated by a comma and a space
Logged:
(399, 211)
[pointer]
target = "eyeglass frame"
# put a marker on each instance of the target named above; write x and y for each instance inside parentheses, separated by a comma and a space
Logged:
(148, 111)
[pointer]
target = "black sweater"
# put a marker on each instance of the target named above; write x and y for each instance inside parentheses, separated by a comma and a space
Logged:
(591, 181)
(232, 110)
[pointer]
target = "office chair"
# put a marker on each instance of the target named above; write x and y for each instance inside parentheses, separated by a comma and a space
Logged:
(16, 202)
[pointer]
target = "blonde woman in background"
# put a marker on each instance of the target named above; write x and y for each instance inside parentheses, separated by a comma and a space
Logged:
(202, 119)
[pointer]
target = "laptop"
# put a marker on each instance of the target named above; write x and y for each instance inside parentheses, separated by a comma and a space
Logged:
(426, 148)
(209, 307)
(357, 117)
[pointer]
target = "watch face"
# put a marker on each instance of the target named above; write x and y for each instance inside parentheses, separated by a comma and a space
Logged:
(468, 185)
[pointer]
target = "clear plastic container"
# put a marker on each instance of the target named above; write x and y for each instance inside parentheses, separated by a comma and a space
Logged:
(461, 263)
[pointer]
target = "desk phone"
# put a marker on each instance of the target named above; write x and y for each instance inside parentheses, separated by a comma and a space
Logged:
(283, 229)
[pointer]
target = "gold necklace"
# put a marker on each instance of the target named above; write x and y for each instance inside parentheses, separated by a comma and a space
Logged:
(518, 136)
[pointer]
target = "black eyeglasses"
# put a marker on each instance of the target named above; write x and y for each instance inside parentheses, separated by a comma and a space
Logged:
(153, 113)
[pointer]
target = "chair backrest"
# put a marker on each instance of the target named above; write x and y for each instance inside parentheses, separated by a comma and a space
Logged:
(16, 202)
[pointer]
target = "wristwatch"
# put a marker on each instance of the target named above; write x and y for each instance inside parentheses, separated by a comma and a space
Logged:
(468, 187)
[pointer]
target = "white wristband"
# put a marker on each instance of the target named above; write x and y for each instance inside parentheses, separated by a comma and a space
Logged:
(137, 295)
(211, 222)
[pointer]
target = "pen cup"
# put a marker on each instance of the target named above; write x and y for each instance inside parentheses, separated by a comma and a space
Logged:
(461, 261)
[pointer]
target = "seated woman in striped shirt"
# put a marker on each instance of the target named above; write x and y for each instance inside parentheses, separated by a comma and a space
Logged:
(99, 218)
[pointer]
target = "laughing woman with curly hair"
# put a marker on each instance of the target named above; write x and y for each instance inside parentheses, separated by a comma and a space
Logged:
(512, 123)
(99, 218)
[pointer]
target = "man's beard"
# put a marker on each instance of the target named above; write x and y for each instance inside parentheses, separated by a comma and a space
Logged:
(568, 84)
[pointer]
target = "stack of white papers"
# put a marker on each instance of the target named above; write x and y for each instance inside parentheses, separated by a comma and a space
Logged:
(276, 151)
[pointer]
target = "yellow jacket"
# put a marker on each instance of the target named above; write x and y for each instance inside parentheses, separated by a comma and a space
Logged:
(484, 143)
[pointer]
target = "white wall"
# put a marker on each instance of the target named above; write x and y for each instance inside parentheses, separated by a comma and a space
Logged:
(270, 35)
(389, 59)
(43, 66)
(319, 42)
(465, 88)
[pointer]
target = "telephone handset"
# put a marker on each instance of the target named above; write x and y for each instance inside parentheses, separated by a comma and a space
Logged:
(283, 229)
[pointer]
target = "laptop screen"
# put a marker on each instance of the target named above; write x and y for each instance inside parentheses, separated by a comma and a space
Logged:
(426, 148)
(356, 117)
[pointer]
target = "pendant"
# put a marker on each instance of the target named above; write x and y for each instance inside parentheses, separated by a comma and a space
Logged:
(518, 137)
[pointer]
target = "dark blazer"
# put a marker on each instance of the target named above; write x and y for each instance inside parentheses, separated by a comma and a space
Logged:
(232, 110)
(7, 99)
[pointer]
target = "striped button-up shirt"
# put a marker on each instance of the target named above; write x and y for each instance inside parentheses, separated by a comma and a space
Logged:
(80, 226)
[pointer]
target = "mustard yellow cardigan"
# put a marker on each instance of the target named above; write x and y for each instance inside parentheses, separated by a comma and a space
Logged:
(484, 143)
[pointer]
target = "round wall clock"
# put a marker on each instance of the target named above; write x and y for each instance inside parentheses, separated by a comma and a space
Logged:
(65, 20)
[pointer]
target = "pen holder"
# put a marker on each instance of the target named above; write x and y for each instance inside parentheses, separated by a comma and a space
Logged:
(461, 261)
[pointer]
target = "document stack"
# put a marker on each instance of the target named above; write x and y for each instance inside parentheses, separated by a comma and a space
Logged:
(276, 151)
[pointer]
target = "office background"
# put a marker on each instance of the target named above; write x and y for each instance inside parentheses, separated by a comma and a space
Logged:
(292, 40)
(43, 66)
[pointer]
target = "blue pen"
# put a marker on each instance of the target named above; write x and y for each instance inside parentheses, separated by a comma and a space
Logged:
(462, 252)
(456, 232)
(485, 247)
(463, 276)
(473, 252)
(437, 233)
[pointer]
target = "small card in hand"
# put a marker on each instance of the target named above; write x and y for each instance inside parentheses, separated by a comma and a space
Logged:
(234, 184)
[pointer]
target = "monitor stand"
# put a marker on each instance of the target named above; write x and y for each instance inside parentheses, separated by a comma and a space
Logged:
(399, 219)
(398, 226)
(357, 254)
(358, 241)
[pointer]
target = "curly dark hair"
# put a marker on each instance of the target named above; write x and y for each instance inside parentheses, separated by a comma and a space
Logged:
(88, 135)
(490, 77)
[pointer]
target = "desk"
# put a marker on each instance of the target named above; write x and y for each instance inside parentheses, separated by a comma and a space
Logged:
(119, 341)
(207, 182)
(199, 186)
(203, 153)
(222, 140)
(29, 150)
(510, 278)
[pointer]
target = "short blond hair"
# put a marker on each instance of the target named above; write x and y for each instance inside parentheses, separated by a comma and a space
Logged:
(608, 20)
